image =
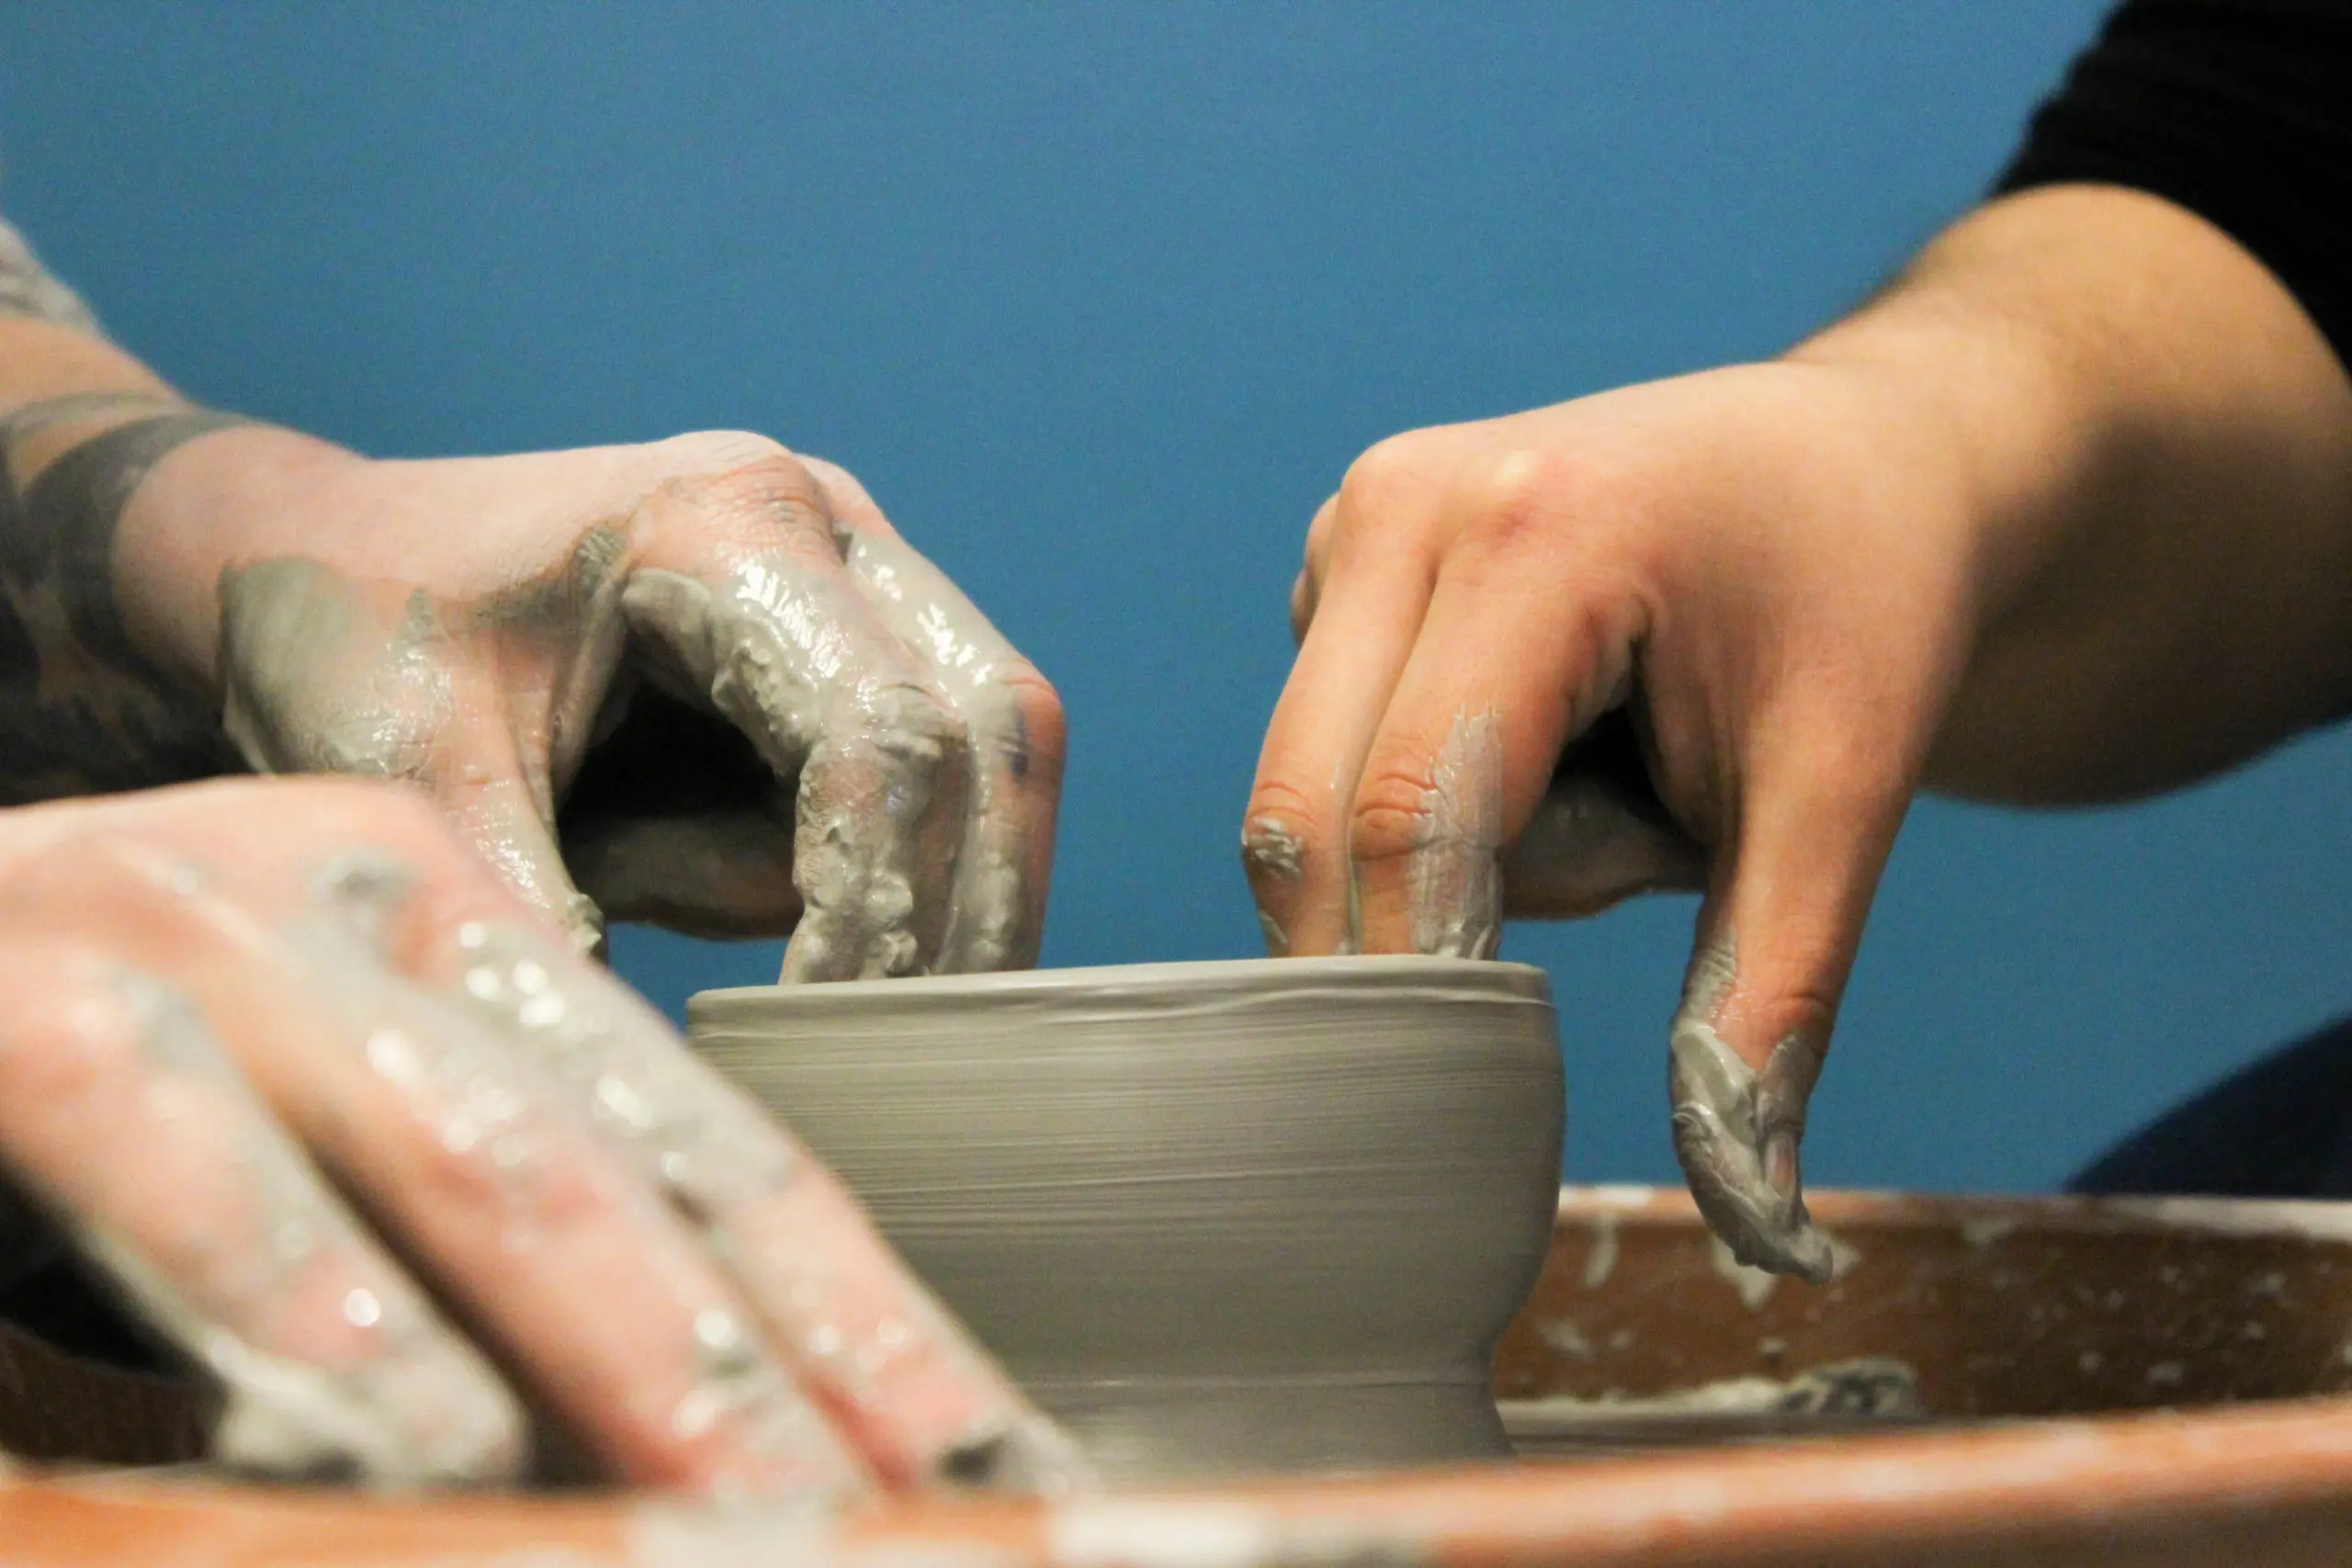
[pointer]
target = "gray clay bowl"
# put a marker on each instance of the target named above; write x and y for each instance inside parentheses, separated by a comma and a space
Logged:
(1216, 1217)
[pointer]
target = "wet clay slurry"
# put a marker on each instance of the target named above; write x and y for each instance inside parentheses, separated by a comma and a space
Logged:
(1216, 1217)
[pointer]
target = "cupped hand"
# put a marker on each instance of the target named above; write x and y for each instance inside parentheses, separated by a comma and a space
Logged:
(702, 682)
(1693, 634)
(364, 1136)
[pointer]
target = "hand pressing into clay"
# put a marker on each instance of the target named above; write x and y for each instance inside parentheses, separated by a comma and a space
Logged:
(702, 682)
(1693, 634)
(366, 1137)
(2060, 516)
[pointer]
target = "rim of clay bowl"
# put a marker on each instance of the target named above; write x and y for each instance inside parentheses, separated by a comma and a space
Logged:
(1206, 980)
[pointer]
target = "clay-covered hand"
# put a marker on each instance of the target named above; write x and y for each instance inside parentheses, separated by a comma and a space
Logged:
(366, 1137)
(1692, 634)
(702, 682)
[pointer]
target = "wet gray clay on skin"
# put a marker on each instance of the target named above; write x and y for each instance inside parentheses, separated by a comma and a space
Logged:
(1266, 1214)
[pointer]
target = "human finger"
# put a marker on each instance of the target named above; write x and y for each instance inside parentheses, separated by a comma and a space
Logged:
(1816, 818)
(923, 1401)
(723, 874)
(460, 1150)
(742, 584)
(1306, 589)
(472, 1154)
(917, 1398)
(675, 819)
(1528, 637)
(997, 912)
(125, 1118)
(1294, 832)
(496, 795)
(1600, 834)
(321, 673)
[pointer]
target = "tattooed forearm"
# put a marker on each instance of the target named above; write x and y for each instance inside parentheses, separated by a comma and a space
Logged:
(81, 710)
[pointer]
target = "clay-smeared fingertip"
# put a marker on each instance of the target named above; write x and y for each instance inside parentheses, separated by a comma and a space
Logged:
(1764, 1228)
(1272, 849)
(1737, 1130)
(584, 923)
(1029, 1458)
(1799, 1250)
(1271, 854)
(429, 1417)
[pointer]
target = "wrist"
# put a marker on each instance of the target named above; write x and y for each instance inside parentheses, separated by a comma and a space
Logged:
(2158, 446)
(238, 493)
(2013, 430)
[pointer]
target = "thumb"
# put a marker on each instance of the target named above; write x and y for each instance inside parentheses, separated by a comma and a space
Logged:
(492, 785)
(1776, 941)
(321, 675)
(503, 814)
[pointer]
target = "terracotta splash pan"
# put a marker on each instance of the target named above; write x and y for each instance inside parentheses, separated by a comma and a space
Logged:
(2049, 1382)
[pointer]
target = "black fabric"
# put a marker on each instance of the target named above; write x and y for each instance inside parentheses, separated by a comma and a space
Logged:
(2239, 110)
(2282, 1128)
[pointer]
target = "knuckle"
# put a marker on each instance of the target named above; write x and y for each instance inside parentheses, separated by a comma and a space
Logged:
(1020, 715)
(519, 1173)
(1789, 988)
(722, 451)
(1388, 471)
(1518, 493)
(741, 480)
(1805, 1011)
(566, 1188)
(1541, 499)
(1389, 818)
(915, 726)
(452, 1175)
(1277, 800)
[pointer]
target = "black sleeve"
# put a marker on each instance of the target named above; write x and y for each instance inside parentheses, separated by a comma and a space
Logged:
(2239, 110)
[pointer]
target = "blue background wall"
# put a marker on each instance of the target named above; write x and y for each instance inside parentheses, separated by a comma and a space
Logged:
(1101, 301)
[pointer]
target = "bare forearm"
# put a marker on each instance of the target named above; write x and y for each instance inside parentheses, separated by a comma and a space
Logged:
(2161, 450)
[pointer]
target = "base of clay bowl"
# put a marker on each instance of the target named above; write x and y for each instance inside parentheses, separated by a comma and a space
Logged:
(1265, 1214)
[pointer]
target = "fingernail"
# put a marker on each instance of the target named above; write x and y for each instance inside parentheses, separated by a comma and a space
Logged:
(1029, 1458)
